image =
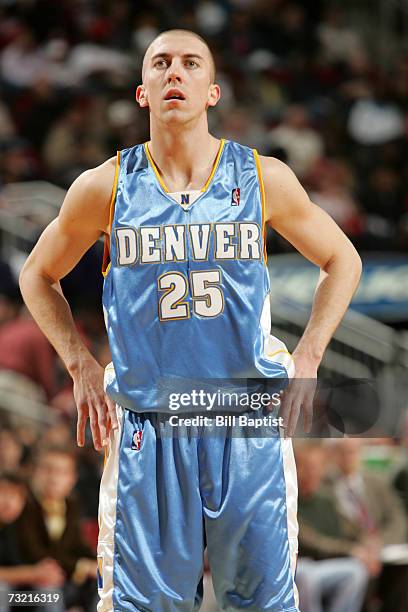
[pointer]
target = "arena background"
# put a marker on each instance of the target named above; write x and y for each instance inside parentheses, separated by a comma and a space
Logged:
(321, 85)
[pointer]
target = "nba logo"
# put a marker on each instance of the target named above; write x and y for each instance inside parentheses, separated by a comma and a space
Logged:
(235, 196)
(137, 440)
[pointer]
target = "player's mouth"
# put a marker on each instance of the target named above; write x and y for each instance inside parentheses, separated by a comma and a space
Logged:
(174, 94)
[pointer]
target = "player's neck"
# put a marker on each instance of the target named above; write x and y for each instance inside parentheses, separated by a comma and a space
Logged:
(183, 157)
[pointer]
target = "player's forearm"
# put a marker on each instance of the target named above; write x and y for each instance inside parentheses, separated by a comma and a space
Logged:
(52, 313)
(335, 289)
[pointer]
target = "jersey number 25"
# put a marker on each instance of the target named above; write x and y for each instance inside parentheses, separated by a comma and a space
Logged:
(206, 295)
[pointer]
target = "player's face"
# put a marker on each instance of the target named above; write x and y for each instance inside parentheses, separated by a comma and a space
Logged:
(177, 79)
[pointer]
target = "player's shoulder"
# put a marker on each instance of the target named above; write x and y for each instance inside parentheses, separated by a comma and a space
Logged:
(279, 179)
(89, 197)
(275, 170)
(99, 179)
(284, 195)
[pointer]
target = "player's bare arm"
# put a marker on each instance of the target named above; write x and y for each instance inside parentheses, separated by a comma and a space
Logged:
(83, 218)
(318, 238)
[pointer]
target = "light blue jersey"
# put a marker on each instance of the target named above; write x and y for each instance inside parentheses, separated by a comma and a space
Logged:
(186, 294)
(186, 297)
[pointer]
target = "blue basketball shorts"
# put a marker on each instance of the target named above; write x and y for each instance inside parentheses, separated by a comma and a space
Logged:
(164, 498)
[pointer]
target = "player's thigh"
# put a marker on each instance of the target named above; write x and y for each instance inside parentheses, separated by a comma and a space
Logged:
(250, 520)
(150, 547)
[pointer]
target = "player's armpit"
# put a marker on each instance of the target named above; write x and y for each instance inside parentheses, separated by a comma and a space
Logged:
(305, 225)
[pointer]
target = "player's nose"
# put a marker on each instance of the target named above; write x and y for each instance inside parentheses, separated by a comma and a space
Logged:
(174, 72)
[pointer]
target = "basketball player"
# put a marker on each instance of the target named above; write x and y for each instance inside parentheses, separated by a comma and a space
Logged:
(186, 295)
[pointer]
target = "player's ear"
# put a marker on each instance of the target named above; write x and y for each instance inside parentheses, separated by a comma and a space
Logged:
(214, 94)
(141, 96)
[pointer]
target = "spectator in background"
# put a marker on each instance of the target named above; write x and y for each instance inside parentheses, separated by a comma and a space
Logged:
(88, 60)
(18, 163)
(290, 34)
(339, 41)
(49, 526)
(302, 144)
(331, 189)
(383, 194)
(38, 109)
(401, 478)
(15, 573)
(89, 468)
(22, 62)
(27, 360)
(273, 55)
(69, 147)
(331, 566)
(240, 125)
(365, 500)
(7, 129)
(375, 119)
(10, 299)
(11, 451)
(289, 56)
(375, 514)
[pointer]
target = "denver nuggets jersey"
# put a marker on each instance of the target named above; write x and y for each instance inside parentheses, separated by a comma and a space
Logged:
(186, 293)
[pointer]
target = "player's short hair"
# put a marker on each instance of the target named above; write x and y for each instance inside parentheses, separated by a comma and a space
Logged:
(192, 33)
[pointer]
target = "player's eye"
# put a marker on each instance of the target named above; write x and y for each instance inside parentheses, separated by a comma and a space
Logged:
(191, 64)
(160, 63)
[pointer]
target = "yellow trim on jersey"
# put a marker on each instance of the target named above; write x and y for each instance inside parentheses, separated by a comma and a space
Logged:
(285, 351)
(155, 168)
(215, 166)
(106, 249)
(162, 183)
(262, 188)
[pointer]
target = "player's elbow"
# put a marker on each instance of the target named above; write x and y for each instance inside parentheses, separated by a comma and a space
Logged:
(27, 278)
(355, 265)
(24, 278)
(348, 261)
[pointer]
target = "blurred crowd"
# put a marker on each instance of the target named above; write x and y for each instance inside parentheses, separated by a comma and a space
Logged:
(302, 81)
(353, 551)
(49, 488)
(299, 81)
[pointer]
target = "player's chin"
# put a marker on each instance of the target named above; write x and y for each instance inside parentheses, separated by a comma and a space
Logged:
(176, 115)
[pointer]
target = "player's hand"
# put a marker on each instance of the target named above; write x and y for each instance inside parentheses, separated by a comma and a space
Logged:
(299, 395)
(92, 402)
